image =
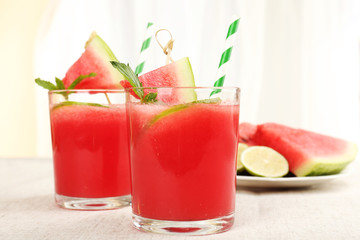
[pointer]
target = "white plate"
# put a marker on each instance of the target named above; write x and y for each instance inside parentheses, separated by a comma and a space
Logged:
(286, 182)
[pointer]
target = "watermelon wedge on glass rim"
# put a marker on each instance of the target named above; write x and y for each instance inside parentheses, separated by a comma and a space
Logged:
(96, 59)
(176, 74)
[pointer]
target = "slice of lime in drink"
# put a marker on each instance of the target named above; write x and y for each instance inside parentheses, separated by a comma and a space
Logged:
(264, 162)
(71, 103)
(167, 112)
(208, 101)
(179, 107)
(239, 166)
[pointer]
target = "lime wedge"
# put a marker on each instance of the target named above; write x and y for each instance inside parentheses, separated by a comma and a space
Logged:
(264, 162)
(167, 112)
(208, 101)
(239, 166)
(71, 103)
(179, 107)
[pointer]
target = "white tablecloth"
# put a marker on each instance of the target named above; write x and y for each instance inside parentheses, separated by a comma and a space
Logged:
(28, 211)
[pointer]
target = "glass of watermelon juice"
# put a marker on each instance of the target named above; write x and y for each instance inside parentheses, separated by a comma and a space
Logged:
(183, 159)
(90, 149)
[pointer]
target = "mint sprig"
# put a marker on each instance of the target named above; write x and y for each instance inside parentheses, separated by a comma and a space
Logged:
(46, 84)
(134, 81)
(60, 84)
(79, 79)
(150, 97)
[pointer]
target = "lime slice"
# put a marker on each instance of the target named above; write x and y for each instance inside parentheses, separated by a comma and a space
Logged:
(171, 110)
(71, 103)
(264, 162)
(239, 166)
(208, 101)
(179, 107)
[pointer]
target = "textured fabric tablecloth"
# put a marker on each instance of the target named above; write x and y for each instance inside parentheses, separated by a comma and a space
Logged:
(327, 211)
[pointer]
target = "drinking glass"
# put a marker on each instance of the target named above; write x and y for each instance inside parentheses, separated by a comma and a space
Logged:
(183, 151)
(90, 149)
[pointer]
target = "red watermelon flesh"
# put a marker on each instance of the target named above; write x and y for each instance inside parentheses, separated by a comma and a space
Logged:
(246, 133)
(308, 153)
(176, 74)
(96, 59)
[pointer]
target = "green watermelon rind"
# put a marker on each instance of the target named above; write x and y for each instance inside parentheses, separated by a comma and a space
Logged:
(106, 55)
(318, 166)
(188, 75)
(96, 40)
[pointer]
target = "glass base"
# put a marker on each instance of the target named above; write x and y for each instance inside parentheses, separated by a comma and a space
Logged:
(202, 227)
(108, 203)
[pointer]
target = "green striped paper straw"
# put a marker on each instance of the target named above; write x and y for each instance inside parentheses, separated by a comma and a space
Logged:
(144, 48)
(225, 57)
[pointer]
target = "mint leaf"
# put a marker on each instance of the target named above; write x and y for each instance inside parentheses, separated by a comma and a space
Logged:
(45, 84)
(134, 81)
(79, 79)
(59, 83)
(129, 74)
(150, 98)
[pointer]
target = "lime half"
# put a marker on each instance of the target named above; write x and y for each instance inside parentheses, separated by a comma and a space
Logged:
(264, 162)
(239, 166)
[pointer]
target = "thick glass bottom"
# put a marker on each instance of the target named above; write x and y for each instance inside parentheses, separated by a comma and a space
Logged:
(202, 227)
(92, 204)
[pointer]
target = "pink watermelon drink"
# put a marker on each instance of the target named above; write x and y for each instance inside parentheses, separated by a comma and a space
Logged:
(89, 134)
(183, 162)
(90, 149)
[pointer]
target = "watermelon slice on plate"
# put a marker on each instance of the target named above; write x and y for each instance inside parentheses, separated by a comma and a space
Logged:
(96, 59)
(308, 153)
(176, 74)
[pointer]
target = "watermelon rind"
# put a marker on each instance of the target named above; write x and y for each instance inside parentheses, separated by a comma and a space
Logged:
(187, 79)
(104, 51)
(97, 42)
(318, 166)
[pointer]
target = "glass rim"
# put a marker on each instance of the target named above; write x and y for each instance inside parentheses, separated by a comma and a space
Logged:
(124, 90)
(120, 90)
(177, 87)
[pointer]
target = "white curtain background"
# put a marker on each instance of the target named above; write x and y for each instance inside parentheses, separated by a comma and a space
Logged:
(296, 61)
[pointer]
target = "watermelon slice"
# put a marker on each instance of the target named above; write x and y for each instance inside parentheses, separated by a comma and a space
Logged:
(96, 59)
(308, 153)
(176, 74)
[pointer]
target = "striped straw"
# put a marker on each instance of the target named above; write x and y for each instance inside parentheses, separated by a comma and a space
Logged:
(225, 57)
(144, 48)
